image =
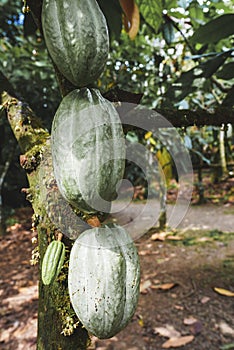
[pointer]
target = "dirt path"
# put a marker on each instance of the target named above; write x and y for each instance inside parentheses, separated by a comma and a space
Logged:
(139, 217)
(179, 274)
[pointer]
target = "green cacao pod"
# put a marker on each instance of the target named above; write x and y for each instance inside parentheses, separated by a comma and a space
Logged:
(103, 280)
(88, 150)
(77, 38)
(52, 261)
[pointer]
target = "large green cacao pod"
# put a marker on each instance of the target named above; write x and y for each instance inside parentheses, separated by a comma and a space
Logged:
(88, 150)
(52, 262)
(103, 280)
(77, 38)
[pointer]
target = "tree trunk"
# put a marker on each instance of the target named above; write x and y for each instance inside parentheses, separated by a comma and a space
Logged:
(58, 326)
(163, 206)
(222, 152)
(55, 316)
(3, 173)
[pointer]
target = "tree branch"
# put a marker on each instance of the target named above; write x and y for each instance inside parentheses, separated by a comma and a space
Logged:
(27, 128)
(130, 111)
(184, 117)
(145, 119)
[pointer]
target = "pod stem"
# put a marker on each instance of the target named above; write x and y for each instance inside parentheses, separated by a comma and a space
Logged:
(59, 236)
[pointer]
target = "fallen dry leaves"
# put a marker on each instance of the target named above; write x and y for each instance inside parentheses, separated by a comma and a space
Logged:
(144, 286)
(205, 300)
(190, 320)
(159, 236)
(178, 342)
(165, 286)
(147, 284)
(195, 325)
(223, 291)
(175, 339)
(147, 252)
(225, 328)
(167, 331)
(162, 236)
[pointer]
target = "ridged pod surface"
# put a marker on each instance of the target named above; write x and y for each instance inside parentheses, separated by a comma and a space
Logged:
(77, 38)
(88, 150)
(52, 261)
(103, 280)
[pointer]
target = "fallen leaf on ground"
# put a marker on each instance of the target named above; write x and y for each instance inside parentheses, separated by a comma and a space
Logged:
(147, 252)
(159, 236)
(223, 291)
(195, 325)
(225, 328)
(190, 320)
(144, 286)
(168, 331)
(204, 300)
(156, 281)
(141, 323)
(165, 286)
(174, 238)
(149, 276)
(179, 307)
(178, 342)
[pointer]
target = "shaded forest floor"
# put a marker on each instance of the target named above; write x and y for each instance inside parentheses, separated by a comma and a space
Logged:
(178, 306)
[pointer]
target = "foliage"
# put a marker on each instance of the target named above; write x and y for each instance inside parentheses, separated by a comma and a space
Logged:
(174, 59)
(25, 62)
(181, 58)
(180, 43)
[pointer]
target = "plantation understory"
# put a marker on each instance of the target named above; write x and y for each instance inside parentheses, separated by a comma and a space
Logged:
(180, 271)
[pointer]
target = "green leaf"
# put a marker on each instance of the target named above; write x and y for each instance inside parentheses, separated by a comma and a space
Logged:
(200, 155)
(183, 3)
(196, 14)
(3, 2)
(211, 66)
(229, 99)
(30, 26)
(113, 13)
(215, 30)
(168, 32)
(188, 142)
(191, 80)
(168, 4)
(151, 10)
(227, 71)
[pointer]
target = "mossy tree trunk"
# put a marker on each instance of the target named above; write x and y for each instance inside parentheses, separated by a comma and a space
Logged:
(58, 327)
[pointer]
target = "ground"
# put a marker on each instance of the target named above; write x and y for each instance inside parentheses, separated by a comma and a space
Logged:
(178, 305)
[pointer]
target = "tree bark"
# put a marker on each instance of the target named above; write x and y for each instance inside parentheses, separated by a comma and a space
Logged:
(167, 117)
(58, 326)
(222, 152)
